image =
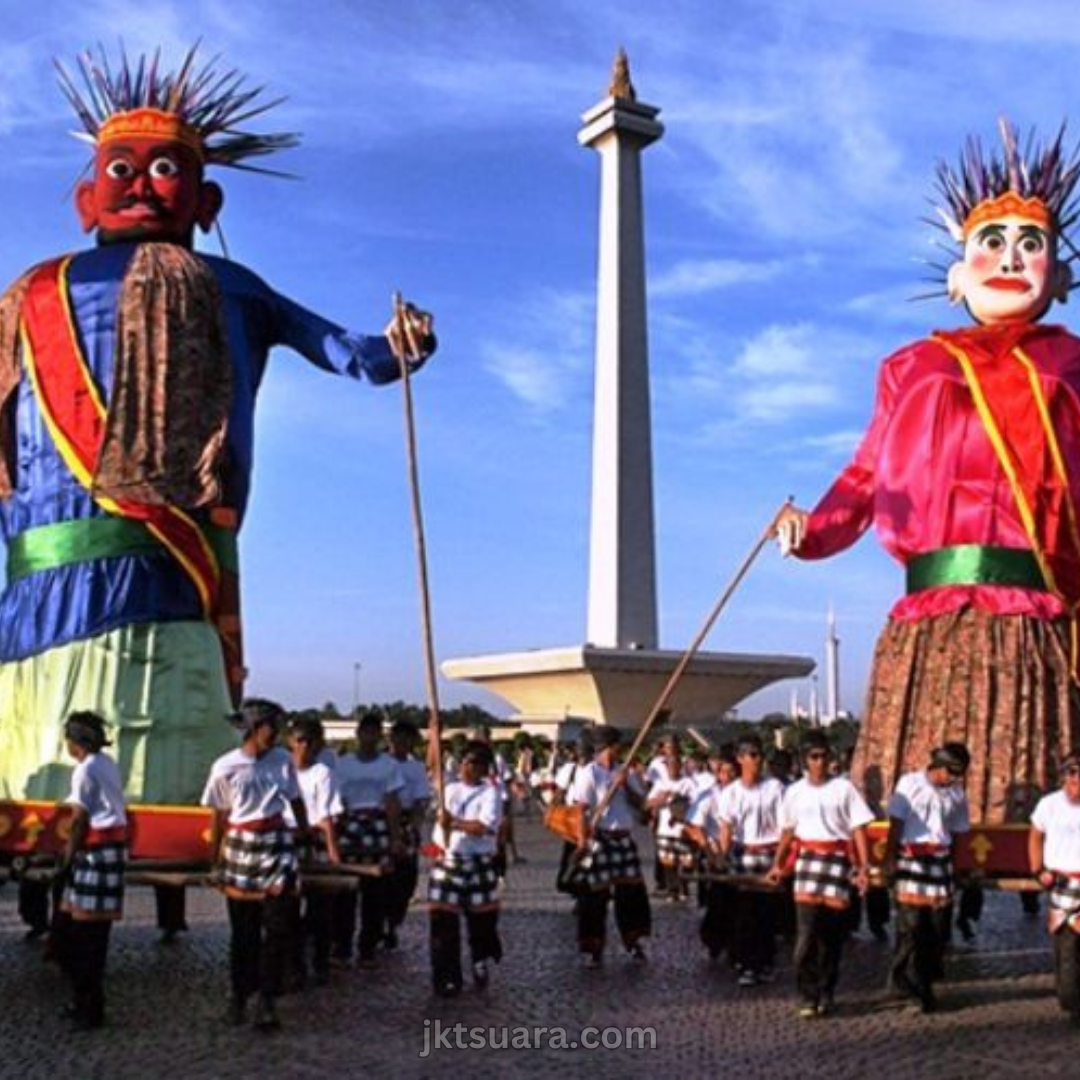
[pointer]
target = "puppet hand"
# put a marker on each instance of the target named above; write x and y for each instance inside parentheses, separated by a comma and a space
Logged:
(790, 529)
(411, 332)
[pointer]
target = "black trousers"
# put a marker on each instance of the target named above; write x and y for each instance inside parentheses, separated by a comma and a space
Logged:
(633, 916)
(484, 943)
(819, 941)
(316, 922)
(400, 886)
(753, 938)
(171, 906)
(922, 934)
(373, 907)
(263, 941)
(716, 923)
(82, 948)
(34, 903)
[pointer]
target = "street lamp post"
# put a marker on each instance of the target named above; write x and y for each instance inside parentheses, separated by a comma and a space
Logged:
(356, 687)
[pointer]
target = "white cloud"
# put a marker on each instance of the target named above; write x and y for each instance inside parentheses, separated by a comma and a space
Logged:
(692, 277)
(539, 348)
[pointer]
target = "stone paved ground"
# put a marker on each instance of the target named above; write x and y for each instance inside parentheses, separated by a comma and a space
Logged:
(999, 1017)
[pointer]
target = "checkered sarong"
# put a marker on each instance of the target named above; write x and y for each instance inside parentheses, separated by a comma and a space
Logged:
(610, 860)
(675, 853)
(365, 840)
(823, 877)
(95, 887)
(311, 847)
(259, 861)
(757, 859)
(924, 878)
(1064, 901)
(464, 883)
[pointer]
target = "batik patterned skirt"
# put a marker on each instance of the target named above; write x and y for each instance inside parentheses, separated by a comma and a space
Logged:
(1064, 908)
(997, 683)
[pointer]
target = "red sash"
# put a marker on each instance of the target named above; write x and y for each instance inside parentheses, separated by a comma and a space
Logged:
(74, 413)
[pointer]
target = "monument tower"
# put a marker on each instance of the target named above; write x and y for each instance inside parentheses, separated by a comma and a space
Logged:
(619, 672)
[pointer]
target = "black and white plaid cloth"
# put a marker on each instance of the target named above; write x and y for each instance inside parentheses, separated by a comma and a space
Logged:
(823, 878)
(365, 840)
(610, 860)
(464, 882)
(1064, 901)
(95, 885)
(756, 860)
(258, 862)
(311, 848)
(923, 878)
(675, 853)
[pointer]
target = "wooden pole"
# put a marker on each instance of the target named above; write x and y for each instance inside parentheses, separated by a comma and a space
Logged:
(684, 662)
(406, 348)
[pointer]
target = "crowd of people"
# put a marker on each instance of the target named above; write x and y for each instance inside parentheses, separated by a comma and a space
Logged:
(773, 850)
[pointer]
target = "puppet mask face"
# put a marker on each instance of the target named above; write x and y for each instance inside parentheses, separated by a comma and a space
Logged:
(147, 189)
(1010, 272)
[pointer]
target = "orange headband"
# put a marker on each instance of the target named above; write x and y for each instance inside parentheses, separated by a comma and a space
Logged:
(1009, 205)
(152, 124)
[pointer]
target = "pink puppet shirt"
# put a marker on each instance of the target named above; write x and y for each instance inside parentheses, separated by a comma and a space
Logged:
(926, 474)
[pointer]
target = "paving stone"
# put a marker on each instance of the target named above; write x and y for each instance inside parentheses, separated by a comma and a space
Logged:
(998, 1017)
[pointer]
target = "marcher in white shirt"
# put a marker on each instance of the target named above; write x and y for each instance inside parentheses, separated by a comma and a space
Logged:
(371, 783)
(1054, 856)
(317, 843)
(92, 868)
(608, 865)
(464, 882)
(414, 799)
(252, 848)
(827, 818)
(927, 811)
(670, 799)
(749, 812)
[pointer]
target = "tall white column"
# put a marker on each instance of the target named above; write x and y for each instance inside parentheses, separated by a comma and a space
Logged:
(622, 553)
(832, 669)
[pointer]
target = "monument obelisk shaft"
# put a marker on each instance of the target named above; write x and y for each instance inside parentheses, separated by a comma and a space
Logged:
(622, 552)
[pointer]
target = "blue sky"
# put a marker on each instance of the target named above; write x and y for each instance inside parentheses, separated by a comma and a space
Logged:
(439, 157)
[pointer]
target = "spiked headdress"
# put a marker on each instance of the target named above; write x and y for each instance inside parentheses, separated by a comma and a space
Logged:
(199, 105)
(1037, 182)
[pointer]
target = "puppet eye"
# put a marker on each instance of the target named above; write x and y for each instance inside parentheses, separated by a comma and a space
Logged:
(1033, 243)
(119, 169)
(164, 168)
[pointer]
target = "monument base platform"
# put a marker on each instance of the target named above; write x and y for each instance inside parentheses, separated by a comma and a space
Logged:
(621, 686)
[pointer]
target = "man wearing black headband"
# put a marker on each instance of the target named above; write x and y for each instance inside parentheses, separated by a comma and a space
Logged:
(926, 813)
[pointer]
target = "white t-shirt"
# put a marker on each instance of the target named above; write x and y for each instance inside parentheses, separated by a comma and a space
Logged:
(96, 787)
(252, 787)
(565, 775)
(931, 814)
(752, 812)
(828, 811)
(684, 786)
(472, 802)
(656, 770)
(414, 777)
(1058, 819)
(704, 780)
(590, 783)
(364, 785)
(319, 790)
